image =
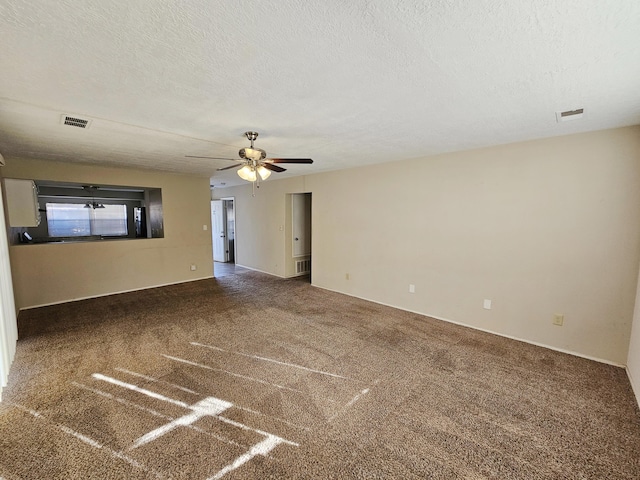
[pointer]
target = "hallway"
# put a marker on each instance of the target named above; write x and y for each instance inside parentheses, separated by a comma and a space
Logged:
(221, 269)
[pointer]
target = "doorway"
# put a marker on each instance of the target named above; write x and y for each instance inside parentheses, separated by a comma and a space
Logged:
(223, 230)
(300, 259)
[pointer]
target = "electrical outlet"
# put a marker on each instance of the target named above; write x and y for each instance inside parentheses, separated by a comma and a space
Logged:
(412, 288)
(486, 304)
(193, 267)
(347, 276)
(205, 228)
(558, 319)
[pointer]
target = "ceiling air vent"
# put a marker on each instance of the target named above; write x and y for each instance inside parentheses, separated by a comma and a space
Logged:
(75, 121)
(569, 115)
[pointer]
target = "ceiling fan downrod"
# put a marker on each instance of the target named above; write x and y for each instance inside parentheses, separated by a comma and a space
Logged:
(251, 136)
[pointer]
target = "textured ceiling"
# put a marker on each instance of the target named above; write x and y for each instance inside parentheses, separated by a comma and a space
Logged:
(345, 83)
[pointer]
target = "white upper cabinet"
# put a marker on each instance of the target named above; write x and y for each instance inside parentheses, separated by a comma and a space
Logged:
(22, 202)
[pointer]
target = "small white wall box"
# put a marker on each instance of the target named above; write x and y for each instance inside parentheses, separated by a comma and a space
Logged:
(22, 202)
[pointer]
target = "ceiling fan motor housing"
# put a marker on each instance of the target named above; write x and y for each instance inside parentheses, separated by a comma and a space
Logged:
(252, 153)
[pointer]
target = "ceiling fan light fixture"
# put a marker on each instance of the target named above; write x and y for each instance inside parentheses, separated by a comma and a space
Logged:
(256, 166)
(247, 173)
(263, 172)
(251, 153)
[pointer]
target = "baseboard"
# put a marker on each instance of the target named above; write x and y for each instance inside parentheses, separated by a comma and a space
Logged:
(634, 387)
(4, 381)
(2, 386)
(538, 344)
(115, 293)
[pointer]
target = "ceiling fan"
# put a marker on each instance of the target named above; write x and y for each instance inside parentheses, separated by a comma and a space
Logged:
(254, 164)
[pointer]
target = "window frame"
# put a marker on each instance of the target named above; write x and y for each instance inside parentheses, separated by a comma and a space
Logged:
(94, 226)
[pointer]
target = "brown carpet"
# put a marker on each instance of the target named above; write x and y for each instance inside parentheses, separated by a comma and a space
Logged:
(250, 376)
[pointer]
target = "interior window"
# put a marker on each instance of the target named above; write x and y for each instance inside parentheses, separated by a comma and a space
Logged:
(76, 212)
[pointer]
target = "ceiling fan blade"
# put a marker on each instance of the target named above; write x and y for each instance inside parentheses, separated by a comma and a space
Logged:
(273, 168)
(289, 160)
(227, 168)
(212, 158)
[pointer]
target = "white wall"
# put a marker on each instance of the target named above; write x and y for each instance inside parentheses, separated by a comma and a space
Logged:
(8, 326)
(539, 228)
(633, 360)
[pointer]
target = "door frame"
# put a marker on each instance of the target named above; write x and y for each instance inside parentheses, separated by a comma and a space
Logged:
(226, 232)
(215, 234)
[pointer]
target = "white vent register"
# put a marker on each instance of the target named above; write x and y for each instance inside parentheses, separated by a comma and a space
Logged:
(569, 115)
(303, 266)
(74, 121)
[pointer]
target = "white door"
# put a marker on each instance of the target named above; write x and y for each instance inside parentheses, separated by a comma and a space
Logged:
(217, 231)
(301, 223)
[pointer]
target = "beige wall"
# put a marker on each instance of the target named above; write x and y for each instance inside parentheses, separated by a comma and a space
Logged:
(263, 227)
(539, 228)
(52, 273)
